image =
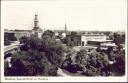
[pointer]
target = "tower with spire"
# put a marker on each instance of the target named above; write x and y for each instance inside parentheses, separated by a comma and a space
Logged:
(65, 28)
(36, 24)
(37, 31)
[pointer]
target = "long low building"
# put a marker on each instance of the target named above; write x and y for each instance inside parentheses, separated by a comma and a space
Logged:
(94, 38)
(17, 34)
(90, 39)
(12, 34)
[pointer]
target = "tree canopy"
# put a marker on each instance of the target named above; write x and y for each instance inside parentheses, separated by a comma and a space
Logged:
(38, 56)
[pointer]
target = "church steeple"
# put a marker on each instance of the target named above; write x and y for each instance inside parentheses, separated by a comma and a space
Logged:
(65, 27)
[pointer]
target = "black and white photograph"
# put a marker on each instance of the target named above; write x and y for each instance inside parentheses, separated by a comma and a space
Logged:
(64, 39)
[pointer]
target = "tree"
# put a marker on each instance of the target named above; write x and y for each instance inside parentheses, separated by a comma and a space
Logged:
(91, 71)
(54, 49)
(31, 63)
(33, 42)
(119, 65)
(123, 38)
(29, 42)
(68, 41)
(97, 64)
(41, 57)
(72, 39)
(23, 40)
(6, 68)
(81, 57)
(118, 38)
(50, 33)
(110, 53)
(66, 62)
(112, 56)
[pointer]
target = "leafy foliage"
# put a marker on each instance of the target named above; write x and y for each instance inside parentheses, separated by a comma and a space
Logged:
(99, 63)
(81, 57)
(118, 38)
(37, 56)
(90, 64)
(72, 40)
(119, 65)
(44, 56)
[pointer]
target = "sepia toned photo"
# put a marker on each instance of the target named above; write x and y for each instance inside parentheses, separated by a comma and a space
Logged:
(61, 38)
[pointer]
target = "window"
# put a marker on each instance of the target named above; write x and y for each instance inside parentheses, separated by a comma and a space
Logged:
(82, 43)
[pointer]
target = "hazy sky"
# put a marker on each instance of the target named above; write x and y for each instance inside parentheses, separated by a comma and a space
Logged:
(77, 14)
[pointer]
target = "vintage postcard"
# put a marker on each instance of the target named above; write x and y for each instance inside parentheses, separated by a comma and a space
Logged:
(64, 41)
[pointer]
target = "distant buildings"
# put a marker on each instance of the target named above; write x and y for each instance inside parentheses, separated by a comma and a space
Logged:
(17, 34)
(61, 33)
(90, 40)
(76, 39)
(64, 33)
(20, 33)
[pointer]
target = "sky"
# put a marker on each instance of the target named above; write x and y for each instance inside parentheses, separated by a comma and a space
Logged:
(82, 15)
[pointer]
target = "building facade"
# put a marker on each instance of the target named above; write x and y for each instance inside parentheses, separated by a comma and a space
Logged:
(86, 38)
(21, 33)
(11, 34)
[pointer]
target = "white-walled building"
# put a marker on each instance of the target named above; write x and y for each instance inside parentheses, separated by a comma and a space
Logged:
(85, 38)
(64, 35)
(19, 34)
